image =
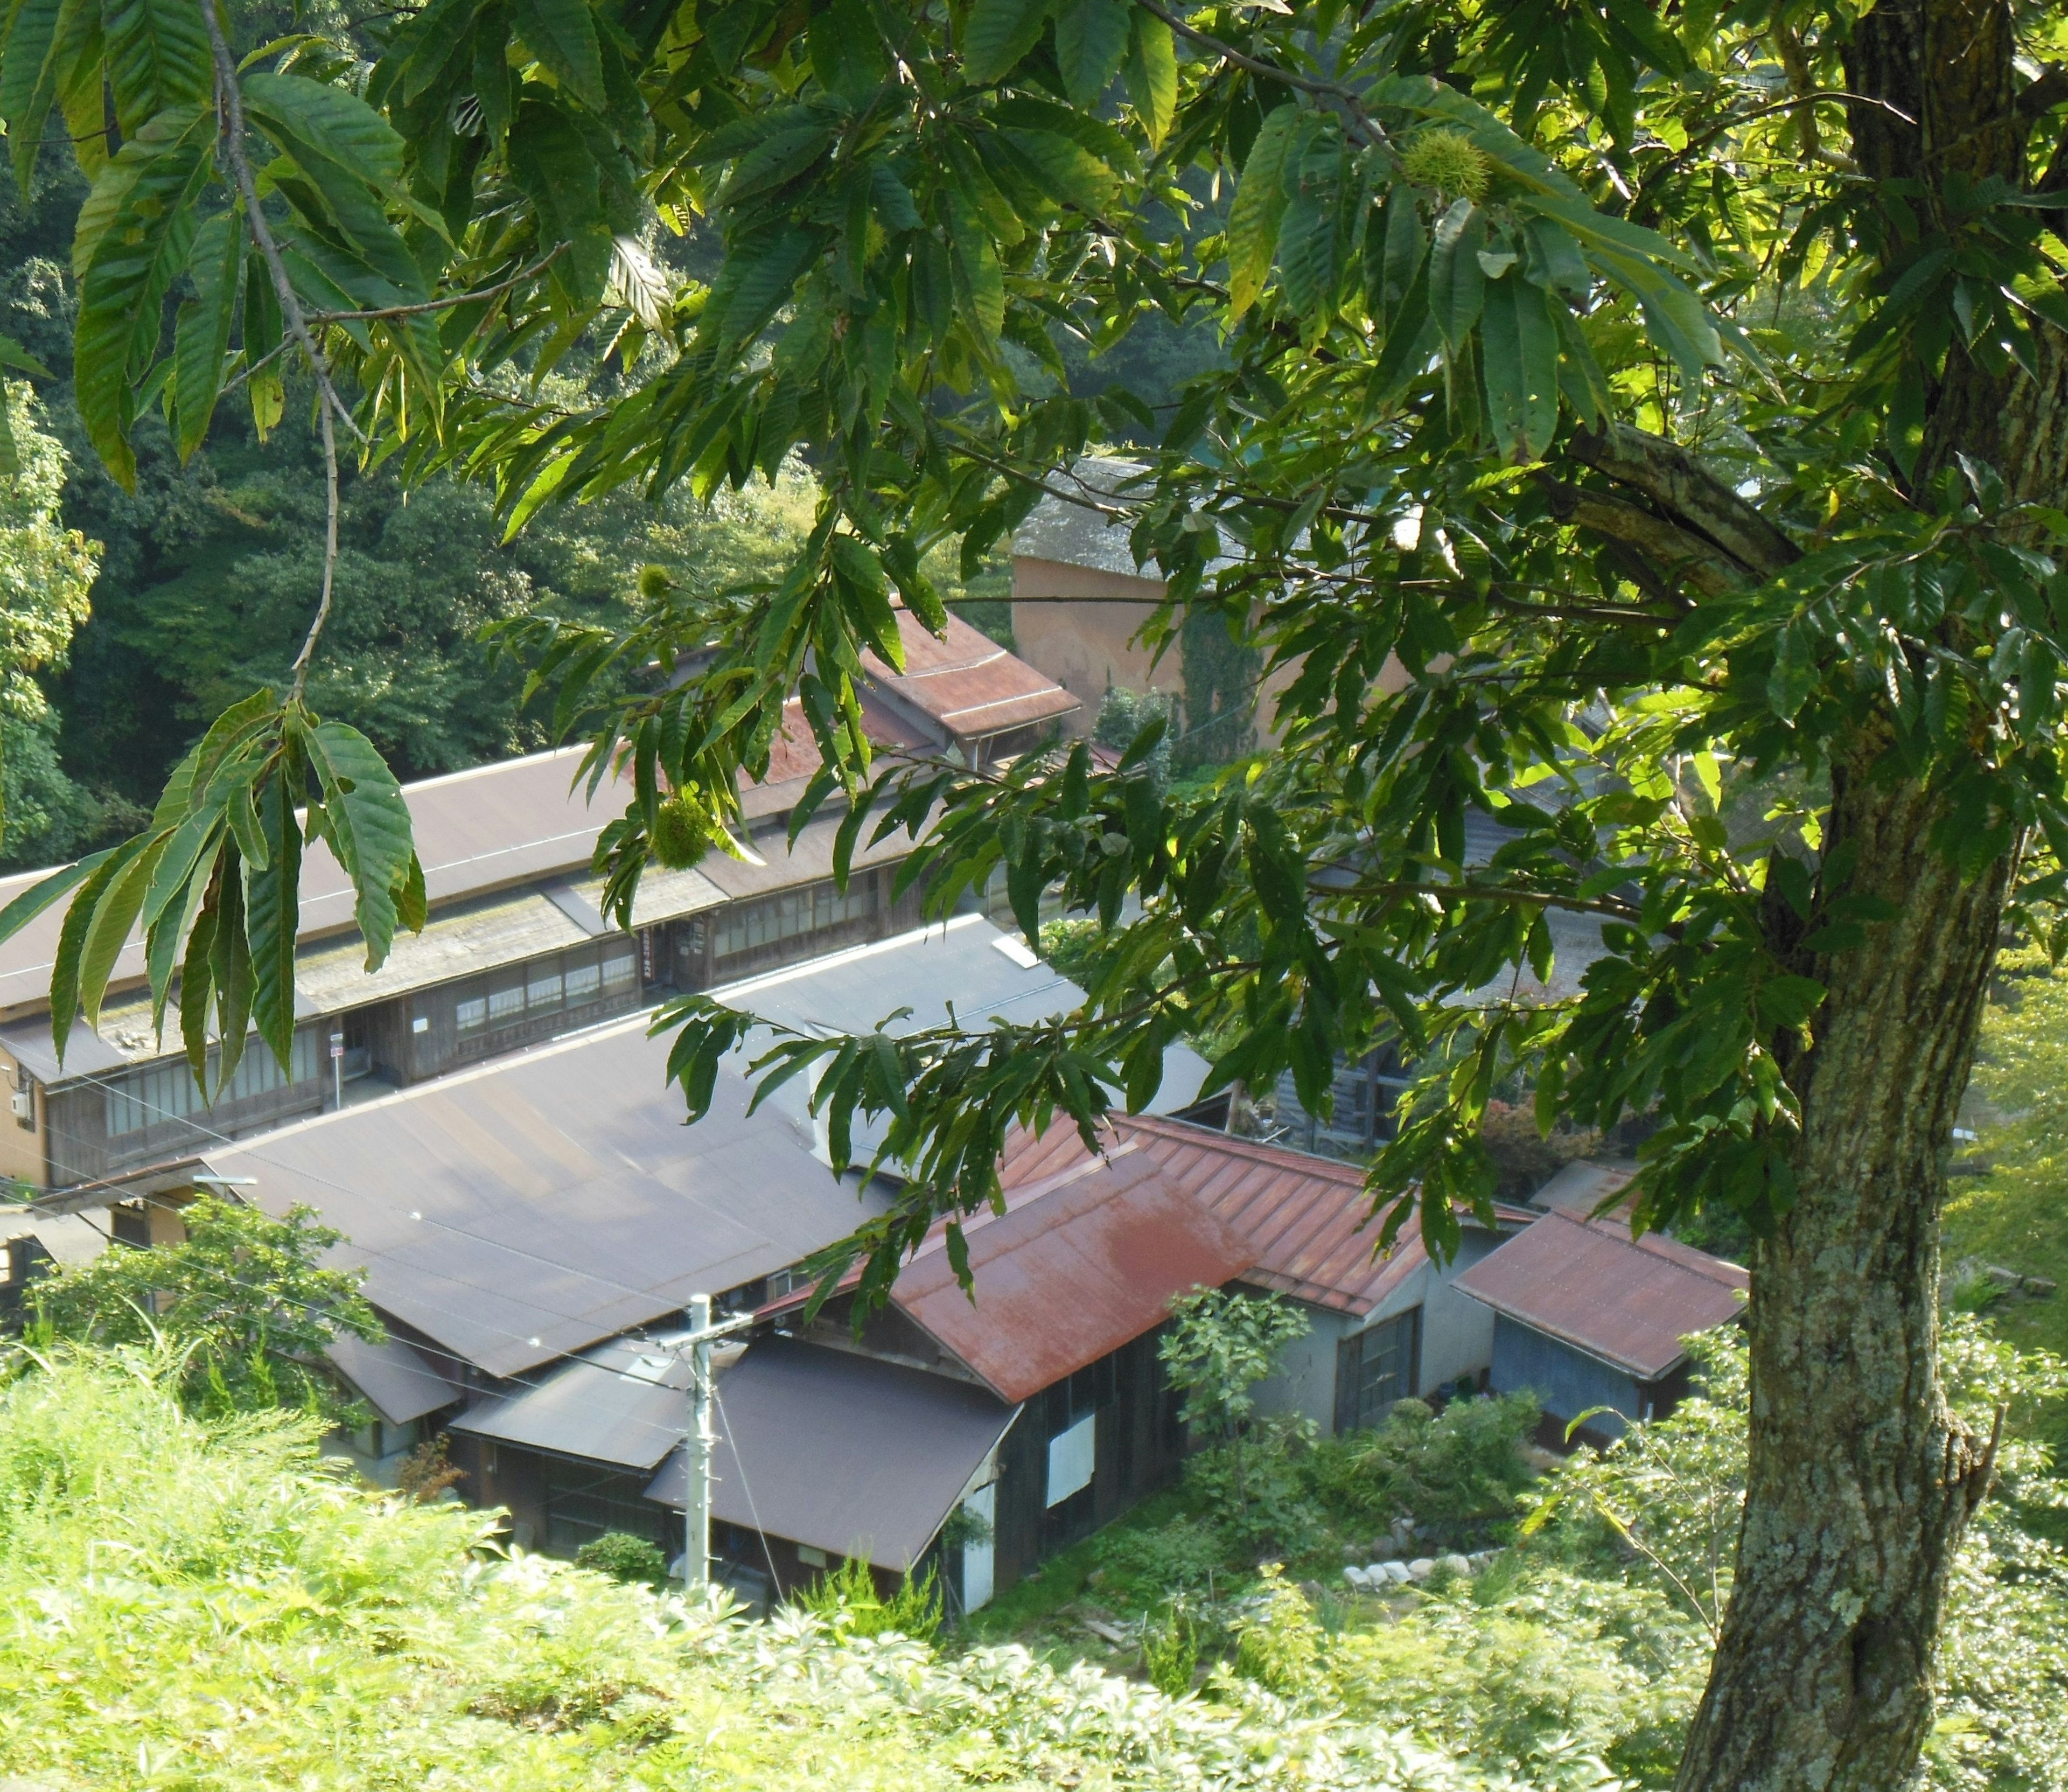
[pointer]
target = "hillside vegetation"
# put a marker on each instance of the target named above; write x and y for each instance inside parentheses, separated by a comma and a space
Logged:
(195, 1602)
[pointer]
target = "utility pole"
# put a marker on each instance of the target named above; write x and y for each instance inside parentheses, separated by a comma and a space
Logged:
(702, 1440)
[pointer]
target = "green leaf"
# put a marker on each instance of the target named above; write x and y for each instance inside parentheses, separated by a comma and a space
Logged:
(202, 340)
(273, 913)
(562, 35)
(1457, 282)
(43, 36)
(133, 262)
(997, 34)
(113, 920)
(1260, 206)
(297, 112)
(1151, 68)
(40, 896)
(1064, 170)
(72, 937)
(158, 57)
(1091, 39)
(262, 338)
(230, 970)
(1519, 364)
(369, 826)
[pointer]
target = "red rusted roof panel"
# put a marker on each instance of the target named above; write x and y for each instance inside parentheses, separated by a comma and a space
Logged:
(968, 683)
(1629, 1302)
(1081, 1263)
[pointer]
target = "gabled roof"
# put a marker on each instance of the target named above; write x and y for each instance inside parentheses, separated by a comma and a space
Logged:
(841, 1452)
(1079, 534)
(1307, 1219)
(967, 685)
(1588, 1284)
(1080, 1264)
(517, 1212)
(624, 1402)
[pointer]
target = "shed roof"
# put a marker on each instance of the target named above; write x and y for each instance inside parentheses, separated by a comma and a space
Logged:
(530, 1207)
(1307, 1219)
(1588, 1284)
(624, 1401)
(842, 1452)
(1080, 1264)
(1580, 1187)
(398, 1380)
(967, 684)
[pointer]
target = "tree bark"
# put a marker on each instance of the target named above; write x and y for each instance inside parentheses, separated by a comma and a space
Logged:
(1860, 1482)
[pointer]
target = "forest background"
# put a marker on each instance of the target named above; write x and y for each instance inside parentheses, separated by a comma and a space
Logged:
(207, 572)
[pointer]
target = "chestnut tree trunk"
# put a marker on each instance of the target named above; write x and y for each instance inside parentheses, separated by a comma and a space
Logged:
(1861, 1483)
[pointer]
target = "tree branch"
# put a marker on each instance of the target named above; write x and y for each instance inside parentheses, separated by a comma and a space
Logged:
(1669, 551)
(1679, 484)
(229, 109)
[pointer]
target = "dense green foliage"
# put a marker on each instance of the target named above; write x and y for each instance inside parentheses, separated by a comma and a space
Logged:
(2009, 1215)
(243, 1304)
(203, 1603)
(624, 1557)
(848, 1598)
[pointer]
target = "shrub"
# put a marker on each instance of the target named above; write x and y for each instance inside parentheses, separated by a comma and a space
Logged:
(1461, 1466)
(1278, 1643)
(1259, 1489)
(847, 1597)
(1171, 1651)
(1149, 1566)
(624, 1557)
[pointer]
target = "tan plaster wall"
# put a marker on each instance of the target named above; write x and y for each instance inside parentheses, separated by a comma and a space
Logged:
(20, 1147)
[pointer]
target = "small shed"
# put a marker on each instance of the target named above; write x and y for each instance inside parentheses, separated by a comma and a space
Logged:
(1589, 1316)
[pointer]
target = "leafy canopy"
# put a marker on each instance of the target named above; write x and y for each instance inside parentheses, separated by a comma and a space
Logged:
(243, 1304)
(1579, 365)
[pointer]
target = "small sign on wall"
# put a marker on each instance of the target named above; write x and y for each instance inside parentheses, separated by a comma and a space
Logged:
(1072, 1456)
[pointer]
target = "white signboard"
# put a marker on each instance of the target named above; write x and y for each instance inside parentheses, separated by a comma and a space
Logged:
(1070, 1459)
(979, 1559)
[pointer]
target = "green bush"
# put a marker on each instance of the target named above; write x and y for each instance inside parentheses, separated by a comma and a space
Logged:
(1260, 1490)
(1171, 1651)
(624, 1557)
(1463, 1465)
(1278, 1644)
(1147, 1567)
(847, 1597)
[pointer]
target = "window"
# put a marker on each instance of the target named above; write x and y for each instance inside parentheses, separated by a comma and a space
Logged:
(1375, 1367)
(506, 1005)
(621, 969)
(584, 981)
(542, 988)
(791, 914)
(1072, 1456)
(167, 1091)
(471, 1013)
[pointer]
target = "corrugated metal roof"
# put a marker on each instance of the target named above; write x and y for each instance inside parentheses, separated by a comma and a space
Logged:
(1080, 1264)
(1629, 1302)
(398, 1381)
(1306, 1219)
(625, 1403)
(1077, 535)
(519, 1211)
(1581, 1187)
(967, 684)
(842, 1452)
(458, 940)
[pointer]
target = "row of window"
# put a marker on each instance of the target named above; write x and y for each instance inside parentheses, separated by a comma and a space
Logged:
(742, 926)
(167, 1091)
(569, 979)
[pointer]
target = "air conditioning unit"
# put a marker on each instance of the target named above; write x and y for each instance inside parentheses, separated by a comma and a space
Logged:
(25, 1103)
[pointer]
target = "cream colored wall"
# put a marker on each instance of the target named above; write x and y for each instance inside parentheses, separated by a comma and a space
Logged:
(20, 1147)
(1088, 646)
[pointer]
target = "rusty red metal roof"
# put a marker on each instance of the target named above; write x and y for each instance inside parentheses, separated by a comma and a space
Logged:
(1083, 1261)
(1588, 1284)
(967, 684)
(1308, 1219)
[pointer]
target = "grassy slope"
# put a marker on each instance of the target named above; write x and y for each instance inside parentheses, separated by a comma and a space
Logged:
(184, 1605)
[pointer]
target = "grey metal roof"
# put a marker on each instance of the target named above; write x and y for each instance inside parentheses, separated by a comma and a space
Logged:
(966, 962)
(398, 1381)
(842, 1452)
(1077, 535)
(623, 1403)
(520, 1211)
